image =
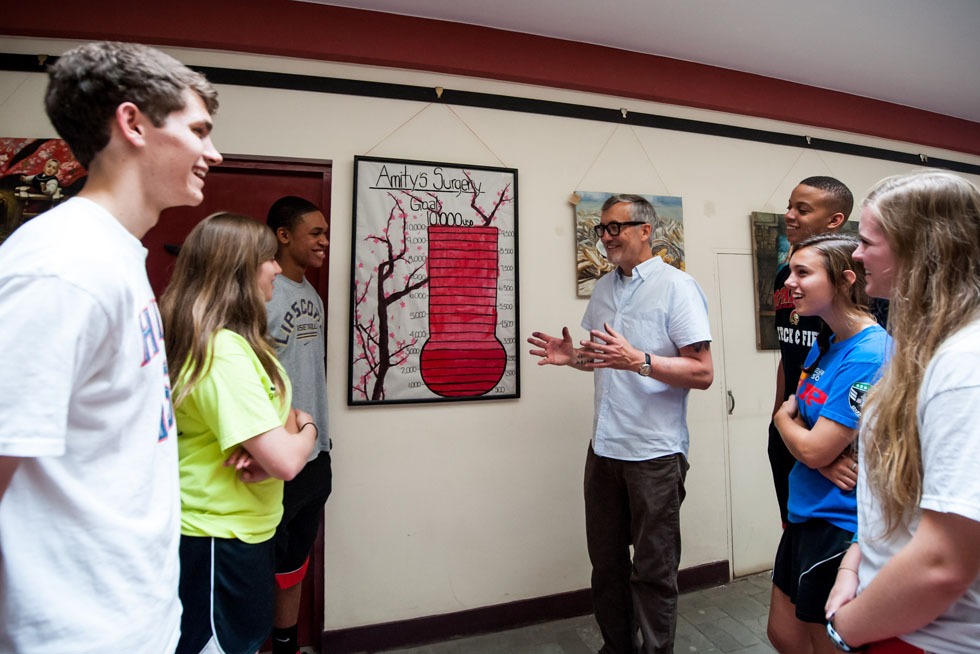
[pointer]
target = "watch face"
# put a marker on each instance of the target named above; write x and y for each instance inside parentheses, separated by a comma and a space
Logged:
(645, 370)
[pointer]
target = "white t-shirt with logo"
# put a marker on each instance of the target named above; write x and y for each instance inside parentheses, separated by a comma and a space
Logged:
(89, 526)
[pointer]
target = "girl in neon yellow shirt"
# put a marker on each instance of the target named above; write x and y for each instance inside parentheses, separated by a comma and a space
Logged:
(237, 436)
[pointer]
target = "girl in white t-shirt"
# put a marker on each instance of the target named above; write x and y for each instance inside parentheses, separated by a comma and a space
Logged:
(912, 581)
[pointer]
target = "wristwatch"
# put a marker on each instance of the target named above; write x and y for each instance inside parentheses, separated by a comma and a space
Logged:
(645, 367)
(838, 641)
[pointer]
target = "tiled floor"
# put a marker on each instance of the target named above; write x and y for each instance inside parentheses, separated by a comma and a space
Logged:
(729, 618)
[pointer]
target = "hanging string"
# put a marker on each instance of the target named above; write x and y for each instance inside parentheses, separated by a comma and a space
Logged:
(14, 91)
(598, 154)
(783, 178)
(451, 111)
(826, 165)
(824, 162)
(650, 160)
(397, 129)
(642, 148)
(475, 135)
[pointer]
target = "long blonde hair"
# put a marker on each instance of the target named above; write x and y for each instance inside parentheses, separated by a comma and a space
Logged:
(931, 221)
(215, 287)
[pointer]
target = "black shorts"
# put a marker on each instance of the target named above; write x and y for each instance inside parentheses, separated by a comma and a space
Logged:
(806, 565)
(227, 588)
(302, 507)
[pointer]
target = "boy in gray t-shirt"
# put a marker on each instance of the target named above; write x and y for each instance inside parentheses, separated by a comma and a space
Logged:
(296, 325)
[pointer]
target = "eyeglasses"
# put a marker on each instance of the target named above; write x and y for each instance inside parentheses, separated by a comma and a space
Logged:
(614, 228)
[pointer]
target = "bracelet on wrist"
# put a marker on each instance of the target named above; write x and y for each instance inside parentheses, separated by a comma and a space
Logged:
(836, 639)
(316, 432)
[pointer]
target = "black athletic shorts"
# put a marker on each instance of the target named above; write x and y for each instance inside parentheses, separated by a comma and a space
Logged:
(227, 588)
(302, 507)
(806, 565)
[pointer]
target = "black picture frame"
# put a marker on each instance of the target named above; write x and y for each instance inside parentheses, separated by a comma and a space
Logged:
(434, 311)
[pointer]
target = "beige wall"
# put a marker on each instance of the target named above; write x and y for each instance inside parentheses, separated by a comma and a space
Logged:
(440, 508)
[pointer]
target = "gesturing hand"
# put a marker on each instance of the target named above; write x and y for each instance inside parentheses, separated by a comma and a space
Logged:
(553, 351)
(612, 350)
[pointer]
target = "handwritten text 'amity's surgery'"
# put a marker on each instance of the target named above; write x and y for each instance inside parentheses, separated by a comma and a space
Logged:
(435, 180)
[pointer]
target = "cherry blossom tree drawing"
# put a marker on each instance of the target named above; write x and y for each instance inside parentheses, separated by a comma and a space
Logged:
(379, 346)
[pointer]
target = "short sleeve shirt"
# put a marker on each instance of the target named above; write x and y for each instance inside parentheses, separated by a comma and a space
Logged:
(296, 325)
(90, 521)
(948, 417)
(835, 390)
(659, 310)
(233, 402)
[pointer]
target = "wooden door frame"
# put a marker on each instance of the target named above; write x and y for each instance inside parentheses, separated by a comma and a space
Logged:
(311, 619)
(320, 278)
(313, 594)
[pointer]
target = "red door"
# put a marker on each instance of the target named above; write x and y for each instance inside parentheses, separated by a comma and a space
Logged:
(249, 186)
(243, 185)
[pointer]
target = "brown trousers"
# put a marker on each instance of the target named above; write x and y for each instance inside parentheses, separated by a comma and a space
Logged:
(634, 503)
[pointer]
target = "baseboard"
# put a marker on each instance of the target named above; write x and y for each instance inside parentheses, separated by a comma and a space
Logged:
(703, 576)
(418, 631)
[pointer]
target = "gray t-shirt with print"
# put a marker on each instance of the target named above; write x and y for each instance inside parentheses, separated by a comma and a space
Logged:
(296, 326)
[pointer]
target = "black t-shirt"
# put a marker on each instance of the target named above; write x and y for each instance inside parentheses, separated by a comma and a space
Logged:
(796, 333)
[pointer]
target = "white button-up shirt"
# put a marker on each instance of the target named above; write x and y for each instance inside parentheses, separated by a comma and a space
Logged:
(659, 310)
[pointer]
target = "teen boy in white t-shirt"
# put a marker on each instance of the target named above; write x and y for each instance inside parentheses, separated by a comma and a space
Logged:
(89, 501)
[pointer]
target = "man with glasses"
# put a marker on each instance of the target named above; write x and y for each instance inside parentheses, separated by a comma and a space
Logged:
(649, 345)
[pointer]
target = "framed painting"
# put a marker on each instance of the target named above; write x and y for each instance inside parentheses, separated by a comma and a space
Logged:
(769, 252)
(667, 240)
(35, 175)
(434, 283)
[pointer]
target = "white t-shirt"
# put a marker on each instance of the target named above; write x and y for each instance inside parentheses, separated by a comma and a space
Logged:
(949, 430)
(89, 526)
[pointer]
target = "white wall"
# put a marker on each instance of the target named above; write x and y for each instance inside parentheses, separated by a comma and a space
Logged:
(440, 508)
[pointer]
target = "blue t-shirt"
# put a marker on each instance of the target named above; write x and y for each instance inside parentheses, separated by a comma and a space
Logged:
(835, 390)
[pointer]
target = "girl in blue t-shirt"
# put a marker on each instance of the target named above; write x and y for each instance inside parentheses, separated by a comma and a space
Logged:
(819, 424)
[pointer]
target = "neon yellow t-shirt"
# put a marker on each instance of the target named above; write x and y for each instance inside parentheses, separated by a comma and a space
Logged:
(232, 403)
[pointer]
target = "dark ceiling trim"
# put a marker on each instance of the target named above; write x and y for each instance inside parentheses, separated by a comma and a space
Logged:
(291, 82)
(311, 31)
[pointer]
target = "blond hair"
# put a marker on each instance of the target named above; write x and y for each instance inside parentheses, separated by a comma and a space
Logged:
(931, 221)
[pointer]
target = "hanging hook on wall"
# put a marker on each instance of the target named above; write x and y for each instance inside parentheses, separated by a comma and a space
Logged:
(41, 59)
(807, 140)
(624, 112)
(924, 158)
(439, 91)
